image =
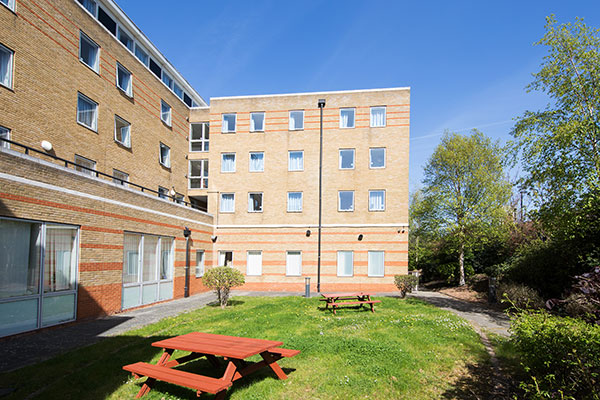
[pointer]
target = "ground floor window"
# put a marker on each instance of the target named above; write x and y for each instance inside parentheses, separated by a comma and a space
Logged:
(199, 263)
(345, 263)
(147, 269)
(376, 262)
(293, 263)
(254, 263)
(38, 271)
(225, 258)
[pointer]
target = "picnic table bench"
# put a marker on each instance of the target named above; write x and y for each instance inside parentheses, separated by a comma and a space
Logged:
(232, 348)
(342, 299)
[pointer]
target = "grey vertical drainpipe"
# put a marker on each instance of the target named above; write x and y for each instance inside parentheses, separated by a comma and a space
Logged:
(186, 235)
(321, 105)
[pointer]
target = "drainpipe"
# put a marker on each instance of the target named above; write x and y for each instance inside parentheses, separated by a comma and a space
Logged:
(186, 289)
(321, 104)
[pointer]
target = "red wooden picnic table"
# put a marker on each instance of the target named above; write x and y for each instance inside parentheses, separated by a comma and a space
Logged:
(232, 348)
(341, 299)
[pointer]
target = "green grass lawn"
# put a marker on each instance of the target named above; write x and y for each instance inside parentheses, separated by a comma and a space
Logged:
(407, 349)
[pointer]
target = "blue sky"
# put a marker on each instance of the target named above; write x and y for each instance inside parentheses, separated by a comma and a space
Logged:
(467, 62)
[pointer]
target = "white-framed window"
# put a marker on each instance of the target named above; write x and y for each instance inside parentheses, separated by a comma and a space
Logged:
(199, 263)
(87, 112)
(377, 157)
(141, 54)
(178, 90)
(347, 117)
(346, 158)
(163, 192)
(376, 263)
(346, 200)
(227, 203)
(165, 112)
(6, 66)
(89, 52)
(345, 263)
(122, 131)
(293, 263)
(257, 161)
(254, 262)
(255, 202)
(198, 174)
(120, 177)
(179, 198)
(9, 3)
(225, 258)
(296, 122)
(199, 136)
(125, 38)
(296, 160)
(167, 80)
(124, 80)
(227, 162)
(294, 201)
(257, 122)
(377, 117)
(228, 123)
(165, 155)
(85, 165)
(376, 200)
(4, 134)
(107, 20)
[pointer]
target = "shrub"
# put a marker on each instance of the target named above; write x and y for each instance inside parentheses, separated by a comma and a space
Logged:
(561, 355)
(221, 280)
(520, 296)
(405, 283)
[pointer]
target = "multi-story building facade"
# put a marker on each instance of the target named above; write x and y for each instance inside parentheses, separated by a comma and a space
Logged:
(112, 163)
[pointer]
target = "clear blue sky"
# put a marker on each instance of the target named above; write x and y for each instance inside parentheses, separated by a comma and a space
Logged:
(467, 63)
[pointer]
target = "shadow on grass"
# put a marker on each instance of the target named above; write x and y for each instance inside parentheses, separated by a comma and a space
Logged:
(230, 303)
(479, 382)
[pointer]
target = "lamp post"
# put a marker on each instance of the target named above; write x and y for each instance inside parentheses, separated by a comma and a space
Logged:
(186, 234)
(321, 104)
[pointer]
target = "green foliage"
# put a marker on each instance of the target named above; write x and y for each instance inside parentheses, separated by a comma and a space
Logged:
(520, 296)
(221, 280)
(405, 283)
(560, 355)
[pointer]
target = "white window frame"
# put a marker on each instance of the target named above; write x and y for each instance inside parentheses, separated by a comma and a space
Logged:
(287, 264)
(10, 5)
(371, 157)
(116, 174)
(371, 123)
(223, 123)
(81, 160)
(163, 192)
(338, 263)
(128, 90)
(94, 126)
(203, 178)
(384, 199)
(199, 270)
(96, 67)
(126, 143)
(369, 264)
(353, 158)
(139, 48)
(222, 254)
(250, 161)
(252, 126)
(167, 80)
(340, 200)
(4, 132)
(204, 141)
(221, 203)
(353, 117)
(234, 163)
(168, 119)
(122, 31)
(10, 67)
(250, 203)
(290, 121)
(247, 265)
(290, 160)
(167, 162)
(301, 202)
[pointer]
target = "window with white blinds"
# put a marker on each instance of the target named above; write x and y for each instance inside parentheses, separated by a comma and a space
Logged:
(293, 263)
(254, 263)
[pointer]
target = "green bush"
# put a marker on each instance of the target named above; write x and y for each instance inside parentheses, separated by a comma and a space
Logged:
(520, 296)
(560, 355)
(221, 280)
(405, 283)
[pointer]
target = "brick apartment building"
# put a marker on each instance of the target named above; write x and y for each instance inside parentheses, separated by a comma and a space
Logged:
(112, 155)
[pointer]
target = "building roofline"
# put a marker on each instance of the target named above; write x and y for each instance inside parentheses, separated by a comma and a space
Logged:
(312, 93)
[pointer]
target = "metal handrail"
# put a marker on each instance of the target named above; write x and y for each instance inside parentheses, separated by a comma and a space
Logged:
(98, 173)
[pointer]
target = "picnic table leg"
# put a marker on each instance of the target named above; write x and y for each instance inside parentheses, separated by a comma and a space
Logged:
(165, 356)
(272, 362)
(145, 387)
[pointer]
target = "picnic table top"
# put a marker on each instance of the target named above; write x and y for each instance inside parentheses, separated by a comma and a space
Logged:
(218, 345)
(335, 295)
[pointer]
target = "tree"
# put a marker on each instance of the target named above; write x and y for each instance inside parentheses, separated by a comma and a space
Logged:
(466, 191)
(221, 280)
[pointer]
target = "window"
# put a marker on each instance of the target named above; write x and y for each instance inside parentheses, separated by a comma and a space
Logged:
(254, 263)
(155, 68)
(107, 21)
(377, 157)
(165, 113)
(228, 162)
(257, 122)
(346, 158)
(376, 263)
(188, 100)
(199, 263)
(85, 165)
(87, 112)
(228, 124)
(198, 174)
(122, 131)
(178, 90)
(179, 198)
(6, 66)
(255, 202)
(89, 52)
(124, 80)
(125, 38)
(293, 263)
(294, 202)
(346, 200)
(226, 258)
(257, 161)
(120, 177)
(167, 80)
(141, 54)
(346, 117)
(377, 117)
(376, 200)
(4, 134)
(296, 120)
(296, 161)
(165, 155)
(227, 202)
(345, 263)
(163, 192)
(199, 202)
(199, 137)
(9, 3)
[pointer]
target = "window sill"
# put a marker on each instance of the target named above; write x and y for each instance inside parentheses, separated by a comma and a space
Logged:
(165, 123)
(378, 126)
(124, 92)
(121, 144)
(165, 165)
(254, 172)
(345, 276)
(3, 85)
(295, 170)
(377, 210)
(376, 276)
(91, 68)
(294, 212)
(255, 212)
(377, 167)
(87, 127)
(296, 130)
(347, 127)
(228, 172)
(346, 210)
(227, 132)
(261, 131)
(226, 212)
(347, 169)
(12, 10)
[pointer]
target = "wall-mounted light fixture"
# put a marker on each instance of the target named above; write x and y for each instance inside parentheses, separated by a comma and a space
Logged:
(173, 192)
(360, 237)
(46, 145)
(214, 238)
(307, 232)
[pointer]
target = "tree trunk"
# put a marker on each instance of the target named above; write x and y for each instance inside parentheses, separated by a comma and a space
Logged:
(461, 264)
